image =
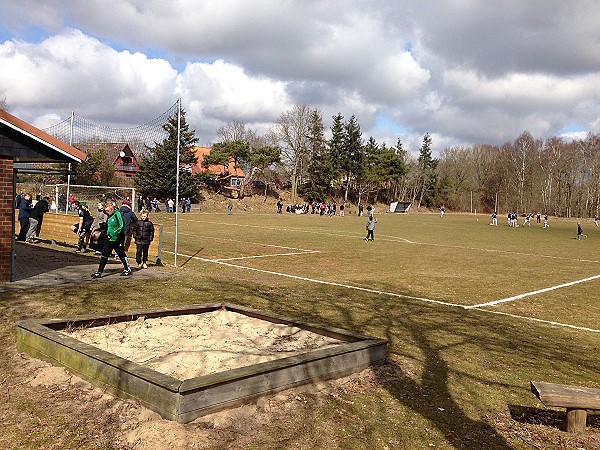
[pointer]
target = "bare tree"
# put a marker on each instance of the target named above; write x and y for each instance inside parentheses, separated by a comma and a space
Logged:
(293, 129)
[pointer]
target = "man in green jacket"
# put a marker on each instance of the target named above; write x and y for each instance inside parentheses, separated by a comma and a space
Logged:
(114, 241)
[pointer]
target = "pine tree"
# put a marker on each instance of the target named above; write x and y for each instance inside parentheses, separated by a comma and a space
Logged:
(427, 173)
(157, 175)
(320, 168)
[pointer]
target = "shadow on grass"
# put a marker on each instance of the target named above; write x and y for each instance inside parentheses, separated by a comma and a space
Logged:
(547, 417)
(190, 258)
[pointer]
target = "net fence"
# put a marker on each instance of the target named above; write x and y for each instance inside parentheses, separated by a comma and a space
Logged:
(87, 135)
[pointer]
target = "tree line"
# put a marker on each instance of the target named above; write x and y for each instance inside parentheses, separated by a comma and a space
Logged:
(556, 176)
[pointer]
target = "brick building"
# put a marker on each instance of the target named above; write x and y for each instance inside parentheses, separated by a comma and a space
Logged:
(20, 143)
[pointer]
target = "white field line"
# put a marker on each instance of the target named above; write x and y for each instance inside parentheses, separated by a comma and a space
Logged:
(533, 319)
(391, 294)
(303, 252)
(299, 251)
(313, 280)
(527, 294)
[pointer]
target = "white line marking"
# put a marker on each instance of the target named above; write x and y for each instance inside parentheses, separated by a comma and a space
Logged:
(313, 280)
(539, 291)
(549, 322)
(304, 252)
(391, 294)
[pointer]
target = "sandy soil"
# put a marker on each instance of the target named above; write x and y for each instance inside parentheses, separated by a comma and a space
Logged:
(193, 345)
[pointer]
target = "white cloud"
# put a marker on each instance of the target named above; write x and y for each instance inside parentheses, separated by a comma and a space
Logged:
(463, 70)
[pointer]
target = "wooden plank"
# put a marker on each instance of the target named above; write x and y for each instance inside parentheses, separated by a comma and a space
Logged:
(213, 398)
(56, 229)
(566, 396)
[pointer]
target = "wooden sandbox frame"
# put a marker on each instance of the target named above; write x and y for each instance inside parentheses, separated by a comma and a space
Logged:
(186, 400)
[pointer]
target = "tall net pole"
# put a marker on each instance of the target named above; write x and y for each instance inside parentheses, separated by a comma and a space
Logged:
(177, 177)
(69, 165)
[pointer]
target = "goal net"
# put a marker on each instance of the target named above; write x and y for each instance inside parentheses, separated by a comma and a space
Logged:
(89, 195)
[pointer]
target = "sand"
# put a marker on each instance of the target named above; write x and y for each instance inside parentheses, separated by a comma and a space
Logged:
(193, 345)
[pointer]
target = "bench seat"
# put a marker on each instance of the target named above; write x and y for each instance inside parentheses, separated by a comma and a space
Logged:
(576, 399)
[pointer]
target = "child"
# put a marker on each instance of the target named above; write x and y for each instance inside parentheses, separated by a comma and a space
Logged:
(143, 235)
(371, 227)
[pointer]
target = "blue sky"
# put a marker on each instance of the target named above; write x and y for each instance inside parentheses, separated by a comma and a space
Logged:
(464, 71)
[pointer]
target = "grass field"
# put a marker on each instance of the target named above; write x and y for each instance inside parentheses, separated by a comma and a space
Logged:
(472, 314)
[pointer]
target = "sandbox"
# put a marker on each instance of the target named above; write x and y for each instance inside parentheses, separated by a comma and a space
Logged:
(188, 382)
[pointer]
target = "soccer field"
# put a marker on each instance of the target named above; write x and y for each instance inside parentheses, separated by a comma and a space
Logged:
(457, 261)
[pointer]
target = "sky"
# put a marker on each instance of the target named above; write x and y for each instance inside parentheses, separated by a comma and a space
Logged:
(465, 71)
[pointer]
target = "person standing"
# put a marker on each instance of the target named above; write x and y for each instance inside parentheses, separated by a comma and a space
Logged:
(170, 206)
(99, 229)
(114, 241)
(546, 221)
(140, 203)
(580, 232)
(35, 217)
(84, 226)
(25, 207)
(229, 208)
(342, 207)
(495, 219)
(129, 219)
(143, 235)
(280, 207)
(360, 210)
(596, 219)
(371, 227)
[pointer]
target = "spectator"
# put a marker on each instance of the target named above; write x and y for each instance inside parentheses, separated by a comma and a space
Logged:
(114, 241)
(143, 235)
(129, 219)
(25, 207)
(35, 217)
(84, 226)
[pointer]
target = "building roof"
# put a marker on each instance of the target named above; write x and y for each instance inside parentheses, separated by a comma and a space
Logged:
(215, 168)
(113, 149)
(26, 143)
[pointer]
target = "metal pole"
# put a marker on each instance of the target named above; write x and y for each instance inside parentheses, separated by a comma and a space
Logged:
(69, 165)
(177, 178)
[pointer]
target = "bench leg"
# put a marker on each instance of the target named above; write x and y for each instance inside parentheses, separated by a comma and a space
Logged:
(576, 420)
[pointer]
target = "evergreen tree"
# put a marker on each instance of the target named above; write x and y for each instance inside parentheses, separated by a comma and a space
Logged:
(336, 147)
(352, 157)
(158, 171)
(320, 168)
(427, 173)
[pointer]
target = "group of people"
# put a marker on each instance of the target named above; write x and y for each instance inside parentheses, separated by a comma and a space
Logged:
(30, 215)
(147, 204)
(111, 230)
(512, 219)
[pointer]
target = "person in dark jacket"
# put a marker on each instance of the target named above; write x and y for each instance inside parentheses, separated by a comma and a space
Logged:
(143, 234)
(129, 221)
(35, 217)
(84, 226)
(25, 208)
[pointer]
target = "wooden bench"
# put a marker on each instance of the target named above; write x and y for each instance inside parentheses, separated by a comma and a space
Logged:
(56, 229)
(576, 399)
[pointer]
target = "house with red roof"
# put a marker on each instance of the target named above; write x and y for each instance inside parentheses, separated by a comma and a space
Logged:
(119, 155)
(234, 175)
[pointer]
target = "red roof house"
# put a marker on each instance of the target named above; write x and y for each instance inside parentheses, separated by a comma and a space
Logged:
(217, 169)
